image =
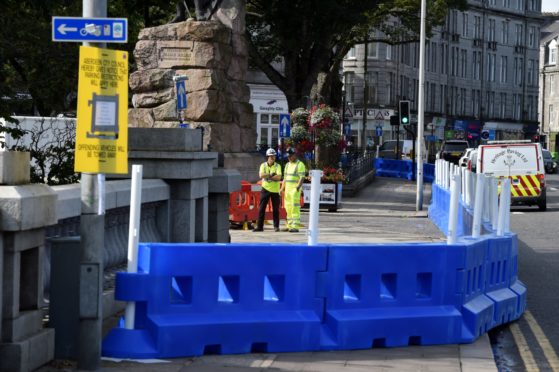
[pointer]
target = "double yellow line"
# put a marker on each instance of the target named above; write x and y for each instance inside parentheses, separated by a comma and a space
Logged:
(524, 347)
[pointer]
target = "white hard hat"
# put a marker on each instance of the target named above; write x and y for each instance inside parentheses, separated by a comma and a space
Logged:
(270, 152)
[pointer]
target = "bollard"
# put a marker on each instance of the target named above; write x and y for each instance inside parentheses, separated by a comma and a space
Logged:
(486, 201)
(464, 186)
(503, 206)
(478, 206)
(453, 212)
(494, 187)
(312, 231)
(134, 237)
(507, 210)
(469, 191)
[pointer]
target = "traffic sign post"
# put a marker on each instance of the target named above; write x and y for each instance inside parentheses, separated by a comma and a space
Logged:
(285, 126)
(182, 102)
(93, 30)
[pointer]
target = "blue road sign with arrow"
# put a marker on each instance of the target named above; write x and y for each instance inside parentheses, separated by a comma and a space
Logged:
(379, 131)
(95, 30)
(285, 126)
(181, 94)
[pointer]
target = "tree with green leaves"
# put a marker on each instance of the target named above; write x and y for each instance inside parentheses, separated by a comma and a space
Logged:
(309, 38)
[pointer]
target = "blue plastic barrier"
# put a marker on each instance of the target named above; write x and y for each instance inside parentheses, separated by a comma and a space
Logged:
(402, 169)
(193, 299)
(390, 295)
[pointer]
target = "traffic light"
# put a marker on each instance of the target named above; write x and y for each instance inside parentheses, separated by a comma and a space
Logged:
(404, 112)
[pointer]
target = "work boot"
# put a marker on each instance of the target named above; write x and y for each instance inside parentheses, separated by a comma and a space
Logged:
(293, 230)
(286, 229)
(276, 229)
(257, 229)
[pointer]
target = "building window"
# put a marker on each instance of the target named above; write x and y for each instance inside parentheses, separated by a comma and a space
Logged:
(465, 25)
(519, 34)
(551, 84)
(372, 50)
(491, 30)
(388, 52)
(351, 53)
(553, 52)
(532, 36)
(503, 105)
(516, 106)
(518, 62)
(477, 27)
(504, 32)
(530, 79)
(491, 67)
(503, 74)
(477, 65)
(551, 115)
(490, 104)
(434, 57)
(506, 4)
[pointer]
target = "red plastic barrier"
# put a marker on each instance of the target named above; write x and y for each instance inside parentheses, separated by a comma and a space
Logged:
(243, 204)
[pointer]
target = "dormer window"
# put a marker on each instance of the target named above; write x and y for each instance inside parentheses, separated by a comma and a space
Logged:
(553, 52)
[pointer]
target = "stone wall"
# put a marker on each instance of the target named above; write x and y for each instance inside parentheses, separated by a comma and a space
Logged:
(213, 55)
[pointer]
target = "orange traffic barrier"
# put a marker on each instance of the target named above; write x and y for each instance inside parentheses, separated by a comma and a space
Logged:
(243, 205)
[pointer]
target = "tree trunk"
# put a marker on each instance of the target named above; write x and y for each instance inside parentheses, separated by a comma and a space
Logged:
(327, 89)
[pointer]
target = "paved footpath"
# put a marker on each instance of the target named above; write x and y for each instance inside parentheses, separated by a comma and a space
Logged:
(382, 212)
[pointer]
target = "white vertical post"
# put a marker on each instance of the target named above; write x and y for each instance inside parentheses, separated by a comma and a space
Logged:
(486, 214)
(469, 191)
(446, 175)
(478, 205)
(494, 202)
(378, 150)
(453, 212)
(133, 237)
(507, 210)
(437, 172)
(464, 189)
(312, 232)
(503, 206)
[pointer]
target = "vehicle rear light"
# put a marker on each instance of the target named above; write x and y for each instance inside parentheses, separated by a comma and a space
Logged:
(541, 178)
(470, 165)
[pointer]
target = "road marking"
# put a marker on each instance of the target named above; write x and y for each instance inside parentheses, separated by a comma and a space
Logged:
(548, 351)
(523, 348)
(518, 213)
(553, 189)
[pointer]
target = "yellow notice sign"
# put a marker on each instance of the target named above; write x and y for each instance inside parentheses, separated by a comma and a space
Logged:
(102, 127)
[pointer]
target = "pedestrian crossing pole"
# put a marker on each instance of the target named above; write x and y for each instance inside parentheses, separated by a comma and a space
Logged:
(421, 110)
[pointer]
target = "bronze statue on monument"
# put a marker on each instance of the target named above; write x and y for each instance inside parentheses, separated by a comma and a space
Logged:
(204, 9)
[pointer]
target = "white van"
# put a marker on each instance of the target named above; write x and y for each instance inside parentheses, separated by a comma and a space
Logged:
(522, 162)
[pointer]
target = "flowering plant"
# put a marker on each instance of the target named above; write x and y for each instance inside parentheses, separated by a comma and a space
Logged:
(330, 174)
(318, 130)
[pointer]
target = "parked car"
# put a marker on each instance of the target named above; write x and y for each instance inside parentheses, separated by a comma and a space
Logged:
(549, 164)
(453, 150)
(463, 162)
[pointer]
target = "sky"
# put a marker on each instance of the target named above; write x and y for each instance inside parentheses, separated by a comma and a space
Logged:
(550, 6)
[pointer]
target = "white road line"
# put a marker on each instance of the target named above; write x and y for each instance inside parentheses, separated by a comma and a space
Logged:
(518, 213)
(553, 189)
(523, 348)
(546, 346)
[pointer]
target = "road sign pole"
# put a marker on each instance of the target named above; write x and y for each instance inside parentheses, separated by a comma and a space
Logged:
(421, 109)
(92, 232)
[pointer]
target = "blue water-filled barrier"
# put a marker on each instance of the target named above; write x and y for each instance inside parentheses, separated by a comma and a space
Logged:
(402, 169)
(195, 299)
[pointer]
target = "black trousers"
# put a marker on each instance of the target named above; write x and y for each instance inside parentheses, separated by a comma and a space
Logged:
(265, 196)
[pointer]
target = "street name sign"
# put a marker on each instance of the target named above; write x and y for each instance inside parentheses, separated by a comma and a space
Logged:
(94, 30)
(102, 125)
